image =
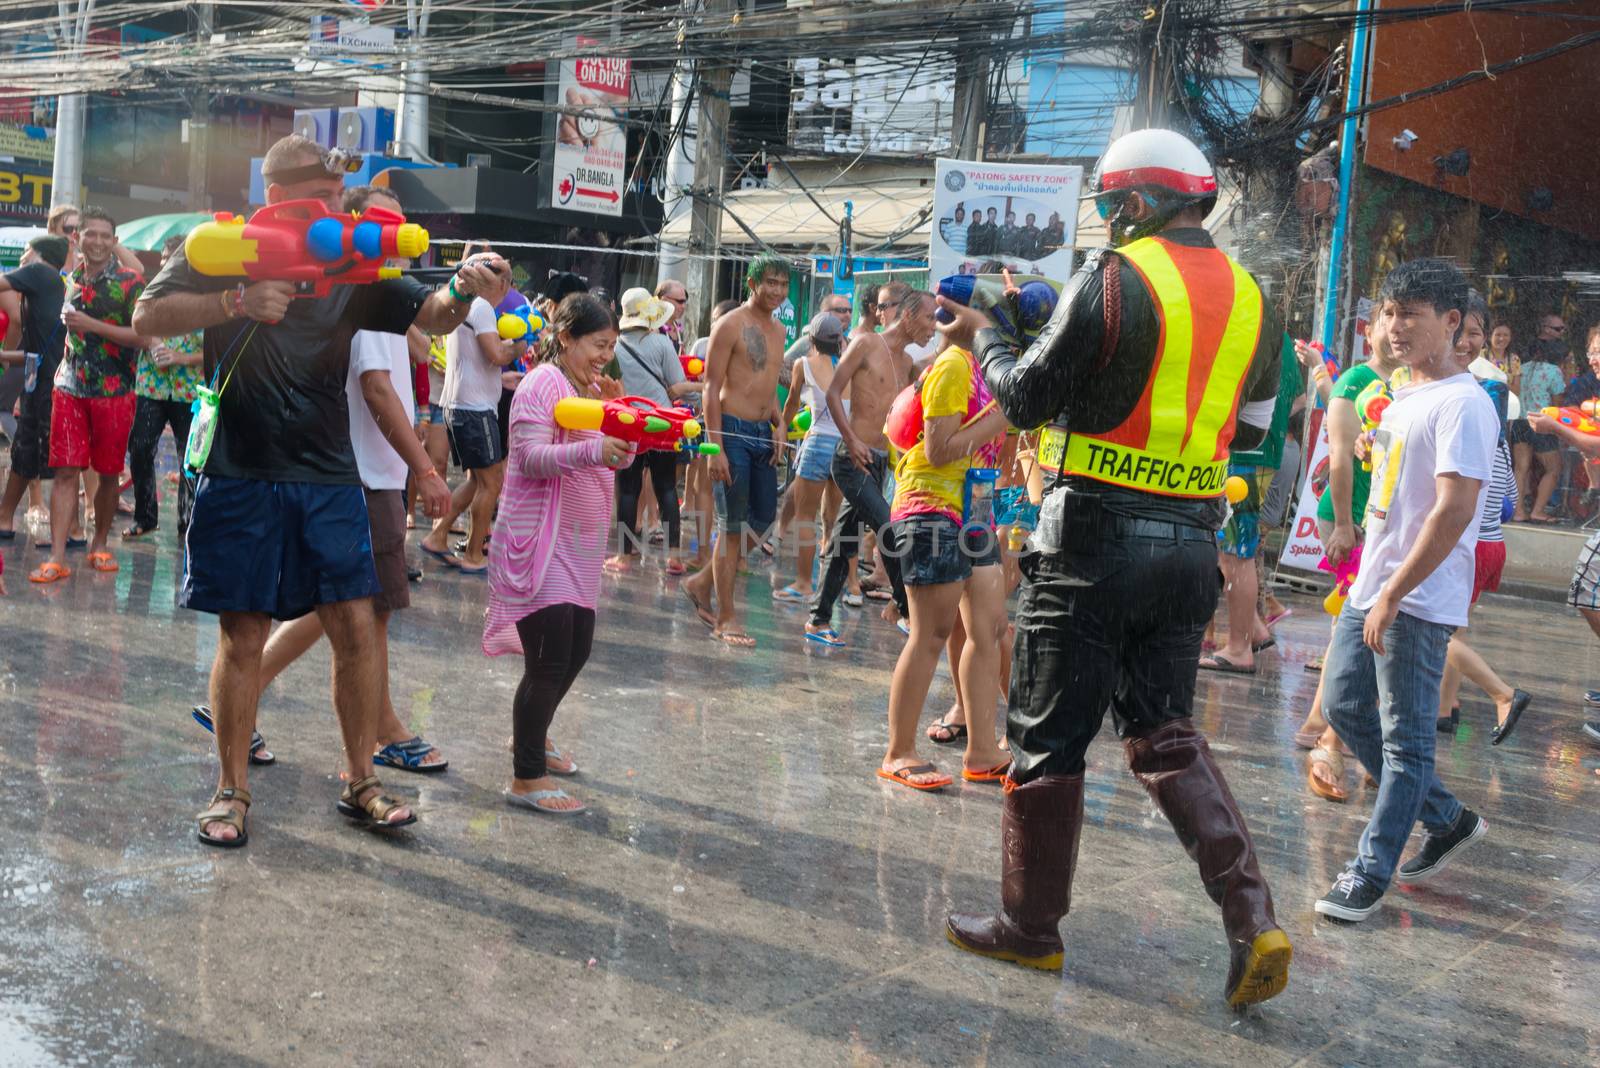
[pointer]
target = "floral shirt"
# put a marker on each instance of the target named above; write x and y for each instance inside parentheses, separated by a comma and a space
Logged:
(174, 383)
(96, 366)
(1542, 386)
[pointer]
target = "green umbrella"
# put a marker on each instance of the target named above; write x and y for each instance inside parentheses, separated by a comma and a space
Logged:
(151, 232)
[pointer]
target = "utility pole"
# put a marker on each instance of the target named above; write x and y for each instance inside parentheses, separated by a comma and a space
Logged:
(200, 115)
(711, 149)
(680, 170)
(970, 115)
(1151, 102)
(412, 129)
(66, 175)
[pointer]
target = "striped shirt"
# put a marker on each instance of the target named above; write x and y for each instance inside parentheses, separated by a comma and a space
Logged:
(1502, 488)
(555, 510)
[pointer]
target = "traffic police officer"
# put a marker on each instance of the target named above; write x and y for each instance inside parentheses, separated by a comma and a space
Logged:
(1161, 354)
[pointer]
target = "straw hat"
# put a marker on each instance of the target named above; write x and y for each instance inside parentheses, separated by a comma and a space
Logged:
(642, 310)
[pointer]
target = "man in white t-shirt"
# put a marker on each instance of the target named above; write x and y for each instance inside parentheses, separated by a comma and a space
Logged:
(475, 354)
(1432, 457)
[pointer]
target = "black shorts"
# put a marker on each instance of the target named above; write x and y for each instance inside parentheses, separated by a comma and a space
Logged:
(1518, 432)
(279, 548)
(474, 438)
(30, 447)
(386, 515)
(935, 549)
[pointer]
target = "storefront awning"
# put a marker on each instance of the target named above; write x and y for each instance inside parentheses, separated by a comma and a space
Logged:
(787, 218)
(151, 232)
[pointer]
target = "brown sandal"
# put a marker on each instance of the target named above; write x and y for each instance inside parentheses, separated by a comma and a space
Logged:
(375, 809)
(219, 813)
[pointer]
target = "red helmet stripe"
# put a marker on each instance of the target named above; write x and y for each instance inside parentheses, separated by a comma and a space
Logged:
(1165, 177)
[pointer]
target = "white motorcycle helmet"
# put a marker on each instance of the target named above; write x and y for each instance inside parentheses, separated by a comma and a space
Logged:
(1164, 167)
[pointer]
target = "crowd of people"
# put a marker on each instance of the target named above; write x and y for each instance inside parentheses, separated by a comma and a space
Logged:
(1084, 471)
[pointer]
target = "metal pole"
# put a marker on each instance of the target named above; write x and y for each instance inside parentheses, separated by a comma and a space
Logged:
(1354, 90)
(680, 170)
(200, 117)
(412, 129)
(66, 172)
(971, 103)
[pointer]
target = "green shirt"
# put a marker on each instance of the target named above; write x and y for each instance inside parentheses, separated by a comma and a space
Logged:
(1348, 387)
(1269, 453)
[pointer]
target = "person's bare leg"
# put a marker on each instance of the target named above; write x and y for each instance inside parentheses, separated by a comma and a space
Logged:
(11, 500)
(36, 493)
(1450, 680)
(1240, 596)
(952, 654)
(1550, 469)
(438, 539)
(1522, 473)
(105, 512)
(983, 616)
(1473, 666)
(288, 643)
(933, 614)
(807, 496)
(724, 575)
(63, 511)
(356, 683)
(235, 686)
(482, 511)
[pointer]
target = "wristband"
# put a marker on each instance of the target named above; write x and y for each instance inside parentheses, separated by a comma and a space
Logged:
(238, 302)
(455, 294)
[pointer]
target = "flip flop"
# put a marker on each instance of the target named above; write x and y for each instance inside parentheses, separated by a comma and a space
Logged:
(1306, 739)
(675, 567)
(1217, 662)
(49, 572)
(8, 535)
(1260, 646)
(828, 636)
(1285, 614)
(611, 568)
(258, 745)
(876, 594)
(465, 570)
(903, 777)
(444, 556)
(75, 543)
(408, 756)
(994, 774)
(734, 639)
(531, 801)
(852, 600)
(1314, 665)
(102, 561)
(1335, 765)
(790, 595)
(553, 753)
(701, 612)
(953, 732)
(136, 531)
(1520, 699)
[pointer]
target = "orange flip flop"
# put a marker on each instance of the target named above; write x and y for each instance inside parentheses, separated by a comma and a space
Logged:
(102, 561)
(49, 572)
(994, 774)
(903, 777)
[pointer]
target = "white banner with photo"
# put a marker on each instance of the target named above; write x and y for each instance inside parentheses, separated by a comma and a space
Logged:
(988, 215)
(591, 149)
(1302, 548)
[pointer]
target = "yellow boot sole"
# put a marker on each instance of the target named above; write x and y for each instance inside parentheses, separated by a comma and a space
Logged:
(1266, 973)
(1049, 963)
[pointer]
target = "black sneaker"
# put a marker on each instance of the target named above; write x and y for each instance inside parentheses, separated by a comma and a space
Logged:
(1352, 898)
(1592, 730)
(1437, 849)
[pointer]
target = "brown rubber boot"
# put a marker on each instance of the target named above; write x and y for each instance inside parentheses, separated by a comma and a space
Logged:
(1039, 828)
(1174, 764)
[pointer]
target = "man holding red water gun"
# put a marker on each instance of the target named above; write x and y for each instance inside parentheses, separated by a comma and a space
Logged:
(280, 524)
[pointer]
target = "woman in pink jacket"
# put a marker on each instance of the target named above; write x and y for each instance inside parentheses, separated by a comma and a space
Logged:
(549, 542)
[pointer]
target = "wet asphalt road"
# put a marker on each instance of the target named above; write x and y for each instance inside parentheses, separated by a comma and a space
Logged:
(743, 890)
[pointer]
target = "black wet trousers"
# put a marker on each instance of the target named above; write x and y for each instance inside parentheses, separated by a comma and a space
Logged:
(150, 418)
(555, 645)
(864, 510)
(1113, 621)
(663, 468)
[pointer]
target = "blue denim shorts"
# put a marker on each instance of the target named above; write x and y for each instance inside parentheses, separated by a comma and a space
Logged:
(279, 548)
(935, 549)
(815, 462)
(751, 498)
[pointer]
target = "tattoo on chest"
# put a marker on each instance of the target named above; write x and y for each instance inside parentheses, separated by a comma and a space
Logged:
(755, 343)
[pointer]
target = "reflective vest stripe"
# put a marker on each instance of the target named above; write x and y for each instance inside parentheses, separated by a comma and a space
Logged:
(1175, 441)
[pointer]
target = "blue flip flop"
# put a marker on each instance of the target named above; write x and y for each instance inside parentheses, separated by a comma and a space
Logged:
(408, 756)
(258, 744)
(790, 595)
(444, 556)
(829, 637)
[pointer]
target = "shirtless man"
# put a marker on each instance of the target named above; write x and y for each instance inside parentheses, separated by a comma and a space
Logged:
(875, 368)
(742, 417)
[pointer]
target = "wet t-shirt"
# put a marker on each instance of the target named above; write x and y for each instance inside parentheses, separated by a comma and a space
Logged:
(283, 413)
(42, 292)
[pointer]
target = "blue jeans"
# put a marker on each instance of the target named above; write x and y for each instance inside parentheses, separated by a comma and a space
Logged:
(751, 498)
(1384, 707)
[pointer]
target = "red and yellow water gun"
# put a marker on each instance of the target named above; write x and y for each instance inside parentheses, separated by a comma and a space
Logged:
(639, 421)
(1583, 418)
(301, 241)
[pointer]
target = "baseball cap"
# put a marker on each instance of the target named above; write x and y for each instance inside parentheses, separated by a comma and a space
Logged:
(825, 330)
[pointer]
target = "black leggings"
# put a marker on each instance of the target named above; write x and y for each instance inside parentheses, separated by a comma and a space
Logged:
(663, 467)
(555, 646)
